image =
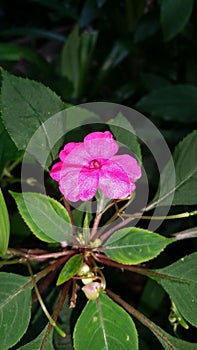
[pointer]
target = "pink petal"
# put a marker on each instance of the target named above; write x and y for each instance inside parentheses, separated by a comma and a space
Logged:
(100, 144)
(88, 183)
(69, 185)
(130, 166)
(67, 149)
(77, 158)
(55, 171)
(114, 181)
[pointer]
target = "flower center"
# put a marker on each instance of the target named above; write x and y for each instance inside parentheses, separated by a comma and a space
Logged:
(95, 164)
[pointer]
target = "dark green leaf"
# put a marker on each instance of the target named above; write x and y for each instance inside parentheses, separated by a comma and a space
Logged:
(8, 150)
(134, 245)
(70, 268)
(181, 284)
(185, 162)
(174, 16)
(45, 216)
(178, 102)
(70, 58)
(125, 134)
(76, 58)
(105, 325)
(4, 226)
(32, 104)
(15, 308)
(117, 54)
(37, 343)
(153, 81)
(10, 52)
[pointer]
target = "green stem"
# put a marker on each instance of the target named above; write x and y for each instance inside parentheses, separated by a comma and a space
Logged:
(13, 165)
(13, 262)
(143, 319)
(51, 321)
(131, 217)
(168, 217)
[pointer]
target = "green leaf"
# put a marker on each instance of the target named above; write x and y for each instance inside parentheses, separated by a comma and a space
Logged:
(185, 162)
(11, 52)
(134, 245)
(8, 150)
(181, 284)
(125, 134)
(69, 58)
(76, 58)
(70, 268)
(37, 343)
(104, 325)
(117, 54)
(4, 226)
(32, 104)
(178, 102)
(15, 308)
(45, 216)
(174, 16)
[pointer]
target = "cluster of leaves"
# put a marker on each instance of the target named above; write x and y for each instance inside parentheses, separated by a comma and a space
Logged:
(125, 248)
(150, 65)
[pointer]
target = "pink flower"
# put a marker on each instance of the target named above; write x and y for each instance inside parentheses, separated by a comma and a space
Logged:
(90, 164)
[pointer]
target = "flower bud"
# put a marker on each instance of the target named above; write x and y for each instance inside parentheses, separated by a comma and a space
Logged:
(92, 290)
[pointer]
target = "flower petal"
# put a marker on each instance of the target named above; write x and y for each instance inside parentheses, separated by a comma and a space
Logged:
(130, 166)
(114, 181)
(88, 183)
(55, 171)
(100, 144)
(67, 149)
(77, 158)
(68, 185)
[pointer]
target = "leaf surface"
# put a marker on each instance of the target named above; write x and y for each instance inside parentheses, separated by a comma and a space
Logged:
(70, 268)
(4, 226)
(181, 285)
(174, 16)
(45, 216)
(185, 162)
(134, 245)
(107, 326)
(15, 308)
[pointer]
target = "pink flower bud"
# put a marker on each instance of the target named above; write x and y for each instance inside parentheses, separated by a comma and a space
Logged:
(92, 290)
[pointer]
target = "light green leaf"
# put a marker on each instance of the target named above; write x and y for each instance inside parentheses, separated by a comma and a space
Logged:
(37, 343)
(45, 216)
(4, 226)
(181, 285)
(174, 16)
(185, 162)
(125, 134)
(70, 268)
(32, 104)
(134, 245)
(177, 102)
(105, 325)
(15, 308)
